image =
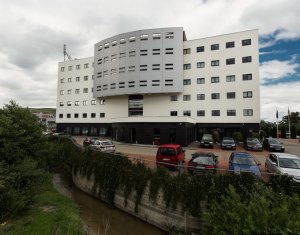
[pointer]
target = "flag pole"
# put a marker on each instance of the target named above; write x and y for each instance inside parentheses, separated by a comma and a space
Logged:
(277, 123)
(289, 122)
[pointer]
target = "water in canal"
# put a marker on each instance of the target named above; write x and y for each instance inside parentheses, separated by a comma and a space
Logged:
(99, 218)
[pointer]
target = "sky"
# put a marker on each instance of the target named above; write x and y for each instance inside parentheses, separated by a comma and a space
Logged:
(33, 33)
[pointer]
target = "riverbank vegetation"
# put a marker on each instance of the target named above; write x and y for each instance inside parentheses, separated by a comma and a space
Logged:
(28, 202)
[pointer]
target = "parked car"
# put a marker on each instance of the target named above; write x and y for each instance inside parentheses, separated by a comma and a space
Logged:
(170, 156)
(243, 161)
(271, 144)
(89, 141)
(228, 143)
(207, 141)
(283, 163)
(202, 162)
(104, 146)
(253, 144)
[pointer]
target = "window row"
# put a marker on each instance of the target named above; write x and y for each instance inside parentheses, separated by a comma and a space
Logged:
(213, 47)
(77, 67)
(84, 103)
(76, 91)
(84, 115)
(132, 84)
(214, 63)
(213, 96)
(229, 78)
(142, 37)
(77, 79)
(201, 113)
(143, 52)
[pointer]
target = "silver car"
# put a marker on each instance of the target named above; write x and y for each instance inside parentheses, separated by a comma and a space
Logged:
(283, 163)
(104, 146)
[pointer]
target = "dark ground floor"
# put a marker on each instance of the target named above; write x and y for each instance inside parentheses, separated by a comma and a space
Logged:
(157, 133)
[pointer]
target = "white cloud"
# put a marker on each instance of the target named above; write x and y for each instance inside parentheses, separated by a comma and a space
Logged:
(279, 96)
(275, 69)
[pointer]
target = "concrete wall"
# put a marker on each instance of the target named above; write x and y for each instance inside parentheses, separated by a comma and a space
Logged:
(154, 213)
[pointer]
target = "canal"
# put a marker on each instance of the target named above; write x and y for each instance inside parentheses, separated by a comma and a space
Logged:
(98, 217)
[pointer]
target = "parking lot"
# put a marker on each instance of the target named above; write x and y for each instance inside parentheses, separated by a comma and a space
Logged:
(147, 153)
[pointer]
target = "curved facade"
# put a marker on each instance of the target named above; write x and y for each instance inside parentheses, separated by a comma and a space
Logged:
(139, 62)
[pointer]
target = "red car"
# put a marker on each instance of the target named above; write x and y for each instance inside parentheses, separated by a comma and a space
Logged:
(170, 155)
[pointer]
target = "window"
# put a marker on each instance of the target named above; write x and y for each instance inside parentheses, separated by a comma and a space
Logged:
(143, 52)
(143, 67)
(85, 90)
(215, 113)
(144, 37)
(248, 112)
(155, 51)
(86, 66)
(187, 51)
(102, 115)
(69, 91)
(62, 80)
(169, 35)
(85, 78)
(76, 103)
(61, 115)
(215, 63)
(131, 53)
(122, 69)
(215, 79)
(215, 96)
(247, 94)
(131, 68)
(247, 77)
(132, 39)
(102, 102)
(231, 112)
(84, 103)
(156, 36)
(186, 81)
(99, 61)
(230, 78)
(93, 115)
(247, 59)
(230, 95)
(200, 49)
(229, 44)
(135, 105)
(173, 97)
(77, 91)
(186, 97)
(131, 84)
(62, 69)
(168, 66)
(113, 71)
(114, 43)
(122, 41)
(173, 113)
(68, 115)
(246, 42)
(186, 66)
(61, 104)
(84, 115)
(78, 66)
(200, 80)
(77, 79)
(230, 61)
(200, 113)
(155, 66)
(122, 54)
(61, 92)
(200, 65)
(214, 47)
(113, 57)
(187, 113)
(69, 79)
(70, 68)
(76, 115)
(200, 96)
(93, 102)
(169, 51)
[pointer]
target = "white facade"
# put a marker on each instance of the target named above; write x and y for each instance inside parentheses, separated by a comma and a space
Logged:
(227, 64)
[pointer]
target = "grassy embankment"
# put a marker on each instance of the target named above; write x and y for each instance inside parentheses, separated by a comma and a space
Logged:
(52, 213)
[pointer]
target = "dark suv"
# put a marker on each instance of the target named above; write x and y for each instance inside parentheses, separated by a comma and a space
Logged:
(207, 141)
(271, 144)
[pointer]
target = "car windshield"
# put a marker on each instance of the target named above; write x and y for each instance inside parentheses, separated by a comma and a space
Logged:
(107, 143)
(289, 163)
(273, 141)
(253, 141)
(206, 138)
(244, 161)
(203, 160)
